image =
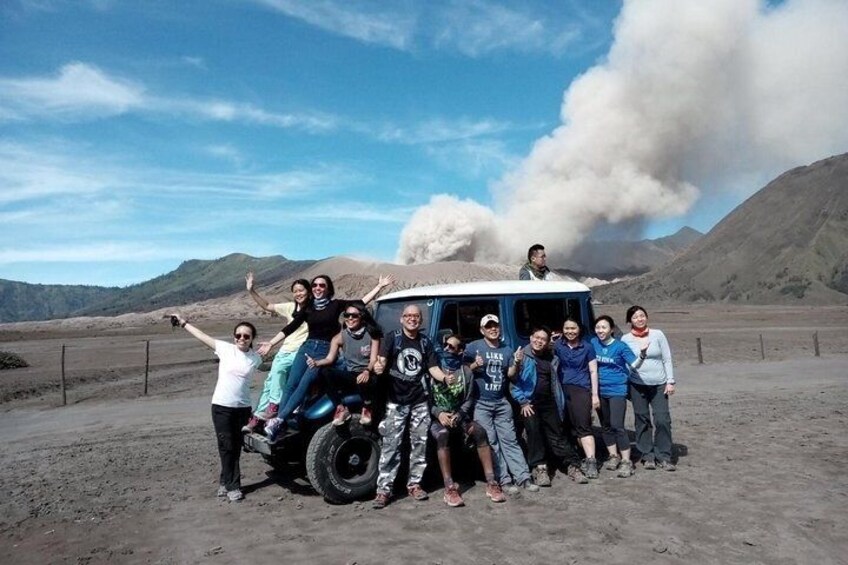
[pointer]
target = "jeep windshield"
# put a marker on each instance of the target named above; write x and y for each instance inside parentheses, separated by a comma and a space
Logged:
(389, 313)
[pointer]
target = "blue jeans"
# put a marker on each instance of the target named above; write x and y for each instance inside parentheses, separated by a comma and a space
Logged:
(496, 418)
(301, 376)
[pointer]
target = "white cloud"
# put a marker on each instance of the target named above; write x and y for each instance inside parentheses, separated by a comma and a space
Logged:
(474, 157)
(440, 130)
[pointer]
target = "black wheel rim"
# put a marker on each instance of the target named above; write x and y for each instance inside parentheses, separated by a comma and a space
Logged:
(356, 460)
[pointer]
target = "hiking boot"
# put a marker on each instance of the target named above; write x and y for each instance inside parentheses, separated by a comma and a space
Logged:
(250, 426)
(576, 474)
(625, 469)
(416, 492)
(529, 485)
(269, 412)
(341, 416)
(666, 466)
(222, 491)
(365, 418)
(452, 497)
(272, 429)
(541, 477)
(380, 501)
(612, 463)
(235, 495)
(649, 464)
(591, 468)
(494, 492)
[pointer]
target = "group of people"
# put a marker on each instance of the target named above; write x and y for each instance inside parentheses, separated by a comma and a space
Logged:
(484, 391)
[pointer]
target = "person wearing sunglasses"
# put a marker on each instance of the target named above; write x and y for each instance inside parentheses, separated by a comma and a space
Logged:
(322, 317)
(231, 399)
(272, 390)
(359, 342)
(452, 411)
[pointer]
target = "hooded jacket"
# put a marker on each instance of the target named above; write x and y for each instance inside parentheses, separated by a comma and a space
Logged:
(525, 385)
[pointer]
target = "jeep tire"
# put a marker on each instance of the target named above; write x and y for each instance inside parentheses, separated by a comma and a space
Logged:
(342, 462)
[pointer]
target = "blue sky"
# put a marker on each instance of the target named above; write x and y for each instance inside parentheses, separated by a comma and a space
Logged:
(136, 135)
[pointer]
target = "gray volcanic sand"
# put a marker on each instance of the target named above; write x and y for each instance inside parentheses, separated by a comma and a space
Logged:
(121, 478)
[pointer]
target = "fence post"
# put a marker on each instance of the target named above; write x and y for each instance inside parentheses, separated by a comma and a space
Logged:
(62, 380)
(146, 364)
(700, 353)
(762, 348)
(816, 343)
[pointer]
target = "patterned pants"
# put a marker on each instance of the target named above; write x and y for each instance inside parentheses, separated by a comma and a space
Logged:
(391, 428)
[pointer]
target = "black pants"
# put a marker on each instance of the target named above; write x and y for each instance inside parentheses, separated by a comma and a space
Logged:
(228, 423)
(612, 413)
(545, 435)
(579, 403)
(340, 382)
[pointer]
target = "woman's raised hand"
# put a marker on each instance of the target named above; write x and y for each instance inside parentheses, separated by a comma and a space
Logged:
(385, 280)
(248, 279)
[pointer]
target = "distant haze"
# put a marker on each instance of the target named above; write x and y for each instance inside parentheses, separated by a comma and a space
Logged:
(692, 95)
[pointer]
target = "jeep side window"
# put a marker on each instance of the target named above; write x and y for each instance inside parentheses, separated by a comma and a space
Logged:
(389, 313)
(462, 317)
(550, 312)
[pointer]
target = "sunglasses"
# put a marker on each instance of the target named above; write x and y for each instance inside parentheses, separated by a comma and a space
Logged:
(451, 347)
(319, 285)
(242, 336)
(351, 315)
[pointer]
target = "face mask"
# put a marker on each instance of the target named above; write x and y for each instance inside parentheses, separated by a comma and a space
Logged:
(452, 361)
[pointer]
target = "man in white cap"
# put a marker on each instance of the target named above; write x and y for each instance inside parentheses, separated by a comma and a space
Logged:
(492, 362)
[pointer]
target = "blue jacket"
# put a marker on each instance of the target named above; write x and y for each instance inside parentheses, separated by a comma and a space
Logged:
(525, 383)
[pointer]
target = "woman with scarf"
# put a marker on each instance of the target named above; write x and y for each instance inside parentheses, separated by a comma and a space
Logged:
(359, 343)
(650, 387)
(615, 361)
(272, 391)
(322, 317)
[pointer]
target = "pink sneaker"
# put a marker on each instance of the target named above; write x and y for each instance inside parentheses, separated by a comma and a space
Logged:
(365, 418)
(341, 416)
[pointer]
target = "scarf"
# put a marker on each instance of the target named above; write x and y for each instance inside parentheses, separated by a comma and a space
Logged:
(640, 333)
(320, 303)
(356, 333)
(538, 273)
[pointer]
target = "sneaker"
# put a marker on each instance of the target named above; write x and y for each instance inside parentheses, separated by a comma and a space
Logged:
(649, 464)
(576, 474)
(625, 469)
(529, 485)
(365, 418)
(341, 416)
(452, 497)
(416, 492)
(512, 489)
(591, 468)
(541, 476)
(272, 429)
(235, 495)
(250, 426)
(222, 491)
(666, 466)
(494, 492)
(612, 463)
(269, 412)
(380, 501)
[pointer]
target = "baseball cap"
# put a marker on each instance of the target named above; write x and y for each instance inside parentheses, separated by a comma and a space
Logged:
(489, 318)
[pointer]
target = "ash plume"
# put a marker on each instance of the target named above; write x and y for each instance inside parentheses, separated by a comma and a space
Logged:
(692, 96)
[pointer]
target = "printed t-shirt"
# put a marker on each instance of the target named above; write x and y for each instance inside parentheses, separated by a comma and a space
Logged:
(613, 370)
(491, 375)
(234, 374)
(408, 368)
(298, 336)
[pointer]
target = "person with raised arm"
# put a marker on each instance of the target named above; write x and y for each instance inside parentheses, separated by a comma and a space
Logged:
(231, 399)
(275, 382)
(322, 317)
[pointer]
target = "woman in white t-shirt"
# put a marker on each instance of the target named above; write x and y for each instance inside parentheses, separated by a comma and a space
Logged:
(275, 383)
(231, 399)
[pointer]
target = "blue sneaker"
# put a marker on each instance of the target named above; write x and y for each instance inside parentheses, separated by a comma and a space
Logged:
(273, 429)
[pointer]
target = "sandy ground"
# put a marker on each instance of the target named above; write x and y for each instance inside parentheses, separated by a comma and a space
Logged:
(115, 477)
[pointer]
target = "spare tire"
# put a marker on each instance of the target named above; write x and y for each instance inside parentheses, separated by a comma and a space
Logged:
(342, 462)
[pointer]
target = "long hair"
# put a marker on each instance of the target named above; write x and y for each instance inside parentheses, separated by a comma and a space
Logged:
(305, 284)
(368, 321)
(331, 290)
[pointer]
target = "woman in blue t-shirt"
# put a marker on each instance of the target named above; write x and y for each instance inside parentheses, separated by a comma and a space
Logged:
(614, 362)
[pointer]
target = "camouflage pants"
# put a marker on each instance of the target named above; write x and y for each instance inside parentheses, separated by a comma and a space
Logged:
(391, 429)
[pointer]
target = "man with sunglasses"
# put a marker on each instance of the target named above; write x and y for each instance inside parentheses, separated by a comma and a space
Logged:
(452, 411)
(409, 356)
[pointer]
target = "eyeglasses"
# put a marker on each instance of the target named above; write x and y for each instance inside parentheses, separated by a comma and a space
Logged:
(353, 315)
(319, 285)
(242, 336)
(412, 316)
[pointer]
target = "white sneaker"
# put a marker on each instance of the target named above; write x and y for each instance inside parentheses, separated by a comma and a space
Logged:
(235, 495)
(222, 491)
